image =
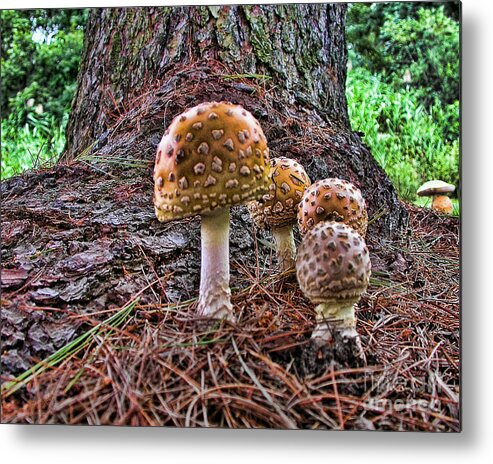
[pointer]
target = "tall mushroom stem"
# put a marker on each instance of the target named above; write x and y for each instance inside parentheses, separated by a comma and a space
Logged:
(215, 294)
(285, 246)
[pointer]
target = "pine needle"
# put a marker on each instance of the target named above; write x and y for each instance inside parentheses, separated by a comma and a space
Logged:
(72, 348)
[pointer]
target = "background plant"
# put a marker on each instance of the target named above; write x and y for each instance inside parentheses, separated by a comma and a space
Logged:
(403, 88)
(405, 138)
(40, 54)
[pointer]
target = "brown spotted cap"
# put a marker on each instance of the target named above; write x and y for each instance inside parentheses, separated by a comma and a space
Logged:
(278, 207)
(333, 264)
(212, 156)
(332, 200)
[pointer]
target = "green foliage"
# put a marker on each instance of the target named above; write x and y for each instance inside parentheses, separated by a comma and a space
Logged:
(403, 88)
(17, 50)
(40, 54)
(405, 138)
(40, 51)
(408, 44)
(36, 144)
(425, 48)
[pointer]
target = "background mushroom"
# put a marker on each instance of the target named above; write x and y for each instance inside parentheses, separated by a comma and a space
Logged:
(277, 209)
(211, 157)
(335, 200)
(333, 269)
(437, 189)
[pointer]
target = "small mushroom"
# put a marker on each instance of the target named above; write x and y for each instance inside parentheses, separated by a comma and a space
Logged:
(211, 157)
(333, 270)
(277, 209)
(335, 200)
(437, 189)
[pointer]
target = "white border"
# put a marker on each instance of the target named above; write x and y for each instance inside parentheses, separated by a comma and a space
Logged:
(53, 444)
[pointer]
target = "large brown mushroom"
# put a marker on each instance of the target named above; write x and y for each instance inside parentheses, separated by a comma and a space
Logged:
(438, 190)
(333, 269)
(335, 200)
(211, 157)
(277, 209)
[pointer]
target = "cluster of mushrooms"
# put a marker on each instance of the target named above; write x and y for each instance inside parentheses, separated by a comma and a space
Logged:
(215, 156)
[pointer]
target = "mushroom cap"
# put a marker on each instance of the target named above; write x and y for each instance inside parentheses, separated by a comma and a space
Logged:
(434, 187)
(211, 156)
(335, 200)
(333, 264)
(278, 207)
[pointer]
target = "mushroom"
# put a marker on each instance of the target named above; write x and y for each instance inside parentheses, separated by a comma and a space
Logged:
(277, 209)
(332, 200)
(211, 157)
(437, 188)
(333, 270)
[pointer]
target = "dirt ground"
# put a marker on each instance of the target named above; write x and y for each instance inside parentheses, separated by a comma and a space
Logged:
(125, 292)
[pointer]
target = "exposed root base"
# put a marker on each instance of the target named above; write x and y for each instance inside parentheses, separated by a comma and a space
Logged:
(217, 311)
(343, 345)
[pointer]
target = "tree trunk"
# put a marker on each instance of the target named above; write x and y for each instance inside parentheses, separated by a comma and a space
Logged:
(82, 238)
(128, 52)
(285, 63)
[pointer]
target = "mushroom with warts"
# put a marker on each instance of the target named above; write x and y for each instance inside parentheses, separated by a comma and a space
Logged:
(333, 269)
(277, 209)
(211, 157)
(335, 200)
(437, 189)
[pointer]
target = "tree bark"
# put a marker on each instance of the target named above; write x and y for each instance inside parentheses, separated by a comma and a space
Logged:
(285, 63)
(82, 237)
(299, 48)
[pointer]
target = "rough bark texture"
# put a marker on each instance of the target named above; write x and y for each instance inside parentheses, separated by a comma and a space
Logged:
(301, 48)
(285, 63)
(82, 238)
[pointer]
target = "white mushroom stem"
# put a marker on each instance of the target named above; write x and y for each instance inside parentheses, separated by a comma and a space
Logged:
(285, 246)
(340, 318)
(215, 294)
(335, 316)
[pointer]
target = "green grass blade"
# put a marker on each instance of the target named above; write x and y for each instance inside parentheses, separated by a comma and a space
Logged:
(66, 351)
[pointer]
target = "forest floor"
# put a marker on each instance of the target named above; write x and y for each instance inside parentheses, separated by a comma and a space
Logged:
(145, 363)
